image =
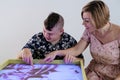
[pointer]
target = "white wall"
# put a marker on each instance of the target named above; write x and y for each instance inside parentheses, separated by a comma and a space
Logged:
(20, 19)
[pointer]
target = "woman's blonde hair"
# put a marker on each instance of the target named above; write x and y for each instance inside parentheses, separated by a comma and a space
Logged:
(99, 12)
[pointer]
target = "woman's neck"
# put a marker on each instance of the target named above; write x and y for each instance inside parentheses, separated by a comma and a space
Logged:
(105, 28)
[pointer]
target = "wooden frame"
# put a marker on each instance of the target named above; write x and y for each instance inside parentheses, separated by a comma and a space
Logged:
(15, 61)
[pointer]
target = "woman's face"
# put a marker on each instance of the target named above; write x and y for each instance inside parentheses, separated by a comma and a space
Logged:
(88, 22)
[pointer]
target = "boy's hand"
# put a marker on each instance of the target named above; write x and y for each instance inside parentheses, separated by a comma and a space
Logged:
(26, 56)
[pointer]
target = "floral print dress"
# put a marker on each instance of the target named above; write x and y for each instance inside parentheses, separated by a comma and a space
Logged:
(105, 63)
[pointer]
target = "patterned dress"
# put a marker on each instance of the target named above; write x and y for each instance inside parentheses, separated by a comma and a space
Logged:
(40, 47)
(105, 64)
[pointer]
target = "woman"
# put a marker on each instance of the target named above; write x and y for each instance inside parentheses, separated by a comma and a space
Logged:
(104, 39)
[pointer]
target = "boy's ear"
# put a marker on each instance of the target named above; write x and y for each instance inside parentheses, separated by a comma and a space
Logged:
(61, 31)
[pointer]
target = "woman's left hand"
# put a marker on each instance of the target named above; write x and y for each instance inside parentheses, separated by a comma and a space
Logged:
(50, 57)
(70, 59)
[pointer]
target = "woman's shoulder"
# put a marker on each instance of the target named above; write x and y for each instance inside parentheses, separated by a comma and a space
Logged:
(115, 27)
(116, 30)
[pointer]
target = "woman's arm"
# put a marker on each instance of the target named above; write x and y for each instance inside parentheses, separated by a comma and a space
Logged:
(74, 51)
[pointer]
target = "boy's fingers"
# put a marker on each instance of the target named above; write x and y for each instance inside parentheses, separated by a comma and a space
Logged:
(30, 60)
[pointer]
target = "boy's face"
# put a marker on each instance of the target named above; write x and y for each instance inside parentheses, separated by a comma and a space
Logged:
(54, 35)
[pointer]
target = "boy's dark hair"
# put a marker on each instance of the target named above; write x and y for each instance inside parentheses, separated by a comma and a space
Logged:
(51, 20)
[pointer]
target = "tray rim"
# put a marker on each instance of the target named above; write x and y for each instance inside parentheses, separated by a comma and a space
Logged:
(15, 61)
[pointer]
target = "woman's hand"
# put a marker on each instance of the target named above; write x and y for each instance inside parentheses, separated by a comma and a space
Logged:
(50, 57)
(70, 59)
(118, 77)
